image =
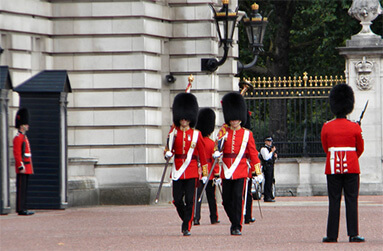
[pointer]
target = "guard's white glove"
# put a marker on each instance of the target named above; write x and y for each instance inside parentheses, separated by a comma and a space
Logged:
(260, 178)
(168, 154)
(217, 181)
(22, 168)
(217, 154)
(204, 179)
(254, 180)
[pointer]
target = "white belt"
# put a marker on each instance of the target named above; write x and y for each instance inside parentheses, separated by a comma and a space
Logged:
(341, 149)
(333, 150)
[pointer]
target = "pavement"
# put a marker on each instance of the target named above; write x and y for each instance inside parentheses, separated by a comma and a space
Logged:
(291, 223)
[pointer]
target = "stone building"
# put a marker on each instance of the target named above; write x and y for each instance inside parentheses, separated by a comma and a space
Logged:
(117, 54)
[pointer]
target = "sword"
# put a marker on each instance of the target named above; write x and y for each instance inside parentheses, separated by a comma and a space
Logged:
(361, 115)
(208, 177)
(220, 189)
(259, 205)
(162, 181)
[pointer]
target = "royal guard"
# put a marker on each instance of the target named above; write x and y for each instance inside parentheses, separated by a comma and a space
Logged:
(187, 146)
(206, 125)
(343, 144)
(23, 161)
(236, 145)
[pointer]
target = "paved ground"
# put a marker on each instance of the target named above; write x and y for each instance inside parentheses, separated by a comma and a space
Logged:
(292, 223)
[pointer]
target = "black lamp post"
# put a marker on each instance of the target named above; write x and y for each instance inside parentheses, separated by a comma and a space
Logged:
(255, 29)
(225, 20)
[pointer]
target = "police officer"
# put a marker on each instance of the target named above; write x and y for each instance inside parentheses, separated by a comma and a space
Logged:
(237, 145)
(23, 161)
(268, 156)
(343, 144)
(187, 146)
(206, 125)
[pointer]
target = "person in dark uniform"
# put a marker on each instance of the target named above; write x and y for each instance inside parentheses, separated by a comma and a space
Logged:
(268, 156)
(343, 144)
(187, 146)
(23, 161)
(237, 145)
(206, 125)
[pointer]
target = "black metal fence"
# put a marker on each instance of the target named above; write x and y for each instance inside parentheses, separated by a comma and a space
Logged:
(292, 110)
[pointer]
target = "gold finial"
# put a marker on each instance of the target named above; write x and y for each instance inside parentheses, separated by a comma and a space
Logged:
(255, 6)
(190, 79)
(225, 1)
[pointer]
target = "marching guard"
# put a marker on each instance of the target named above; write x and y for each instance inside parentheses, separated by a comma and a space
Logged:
(206, 124)
(187, 146)
(236, 145)
(343, 143)
(23, 161)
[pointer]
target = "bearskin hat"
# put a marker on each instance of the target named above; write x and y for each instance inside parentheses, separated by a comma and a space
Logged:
(341, 100)
(185, 106)
(247, 125)
(234, 107)
(206, 121)
(22, 117)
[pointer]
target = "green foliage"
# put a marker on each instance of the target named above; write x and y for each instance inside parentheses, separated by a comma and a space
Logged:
(318, 28)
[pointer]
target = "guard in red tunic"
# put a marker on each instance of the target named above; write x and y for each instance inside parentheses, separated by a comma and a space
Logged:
(187, 146)
(23, 161)
(237, 145)
(206, 125)
(343, 143)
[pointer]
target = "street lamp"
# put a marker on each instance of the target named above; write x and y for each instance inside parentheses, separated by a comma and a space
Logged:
(225, 20)
(255, 29)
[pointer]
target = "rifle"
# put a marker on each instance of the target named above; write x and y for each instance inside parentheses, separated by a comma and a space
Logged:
(361, 115)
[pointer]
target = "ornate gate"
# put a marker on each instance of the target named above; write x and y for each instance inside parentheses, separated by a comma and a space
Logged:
(292, 110)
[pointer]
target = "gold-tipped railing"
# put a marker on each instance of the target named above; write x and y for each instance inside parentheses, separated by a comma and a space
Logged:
(292, 87)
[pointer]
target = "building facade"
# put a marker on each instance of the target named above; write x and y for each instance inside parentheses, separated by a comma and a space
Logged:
(117, 54)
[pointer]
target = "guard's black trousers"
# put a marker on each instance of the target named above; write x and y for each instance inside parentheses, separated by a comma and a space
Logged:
(210, 195)
(183, 199)
(232, 196)
(21, 192)
(349, 183)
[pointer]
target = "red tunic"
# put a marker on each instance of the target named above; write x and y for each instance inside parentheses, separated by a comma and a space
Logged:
(209, 150)
(181, 147)
(17, 153)
(231, 148)
(343, 144)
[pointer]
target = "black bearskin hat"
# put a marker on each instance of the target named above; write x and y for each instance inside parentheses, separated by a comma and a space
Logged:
(247, 125)
(206, 121)
(185, 106)
(22, 117)
(234, 108)
(341, 100)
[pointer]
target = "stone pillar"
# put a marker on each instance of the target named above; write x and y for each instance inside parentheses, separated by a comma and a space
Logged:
(304, 186)
(364, 68)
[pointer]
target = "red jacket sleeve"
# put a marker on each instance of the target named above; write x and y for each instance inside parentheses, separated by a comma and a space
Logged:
(17, 143)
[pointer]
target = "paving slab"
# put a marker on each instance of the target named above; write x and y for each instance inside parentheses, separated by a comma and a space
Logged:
(291, 223)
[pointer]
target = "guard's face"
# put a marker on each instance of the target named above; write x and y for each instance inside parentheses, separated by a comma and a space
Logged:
(268, 142)
(184, 123)
(235, 124)
(25, 128)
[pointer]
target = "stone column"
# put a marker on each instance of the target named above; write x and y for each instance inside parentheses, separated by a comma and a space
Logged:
(364, 68)
(304, 186)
